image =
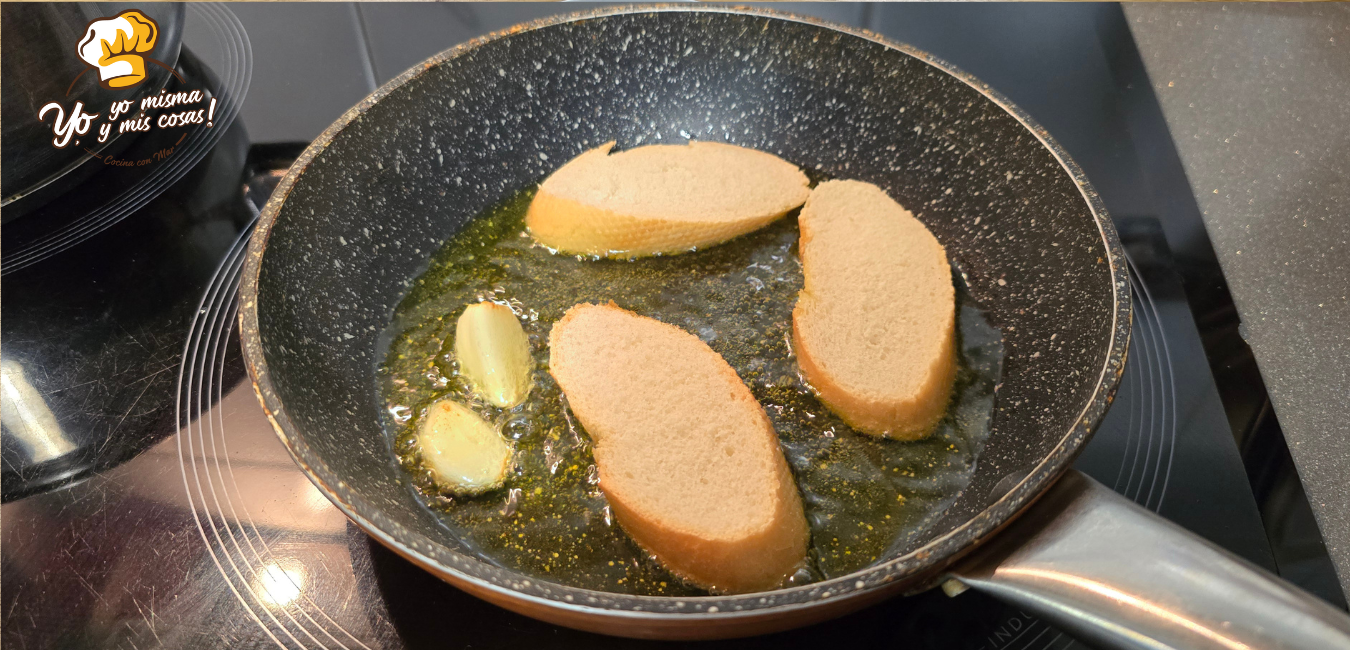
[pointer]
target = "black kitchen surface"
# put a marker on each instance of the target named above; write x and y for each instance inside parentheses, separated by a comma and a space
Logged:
(149, 504)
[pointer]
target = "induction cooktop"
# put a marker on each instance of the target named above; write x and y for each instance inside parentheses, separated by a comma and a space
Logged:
(148, 502)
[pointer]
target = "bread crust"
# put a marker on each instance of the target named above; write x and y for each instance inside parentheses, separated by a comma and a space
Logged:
(903, 419)
(754, 553)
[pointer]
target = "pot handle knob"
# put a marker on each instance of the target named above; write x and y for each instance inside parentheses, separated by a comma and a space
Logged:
(1114, 574)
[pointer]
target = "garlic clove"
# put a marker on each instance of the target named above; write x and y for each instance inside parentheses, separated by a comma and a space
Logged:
(494, 354)
(465, 454)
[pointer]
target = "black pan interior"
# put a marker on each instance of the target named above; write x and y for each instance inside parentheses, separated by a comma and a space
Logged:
(377, 194)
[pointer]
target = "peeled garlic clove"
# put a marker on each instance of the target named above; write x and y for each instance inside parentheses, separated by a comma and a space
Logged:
(464, 453)
(494, 354)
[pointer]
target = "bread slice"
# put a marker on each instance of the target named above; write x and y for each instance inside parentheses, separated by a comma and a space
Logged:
(688, 460)
(874, 325)
(662, 198)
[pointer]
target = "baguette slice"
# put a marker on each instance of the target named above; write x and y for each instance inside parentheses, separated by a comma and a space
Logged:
(662, 198)
(874, 325)
(688, 460)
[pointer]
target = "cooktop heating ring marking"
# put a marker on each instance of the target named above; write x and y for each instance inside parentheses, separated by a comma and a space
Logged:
(1161, 388)
(1152, 392)
(234, 82)
(219, 416)
(1135, 388)
(1143, 435)
(206, 432)
(203, 371)
(212, 330)
(214, 294)
(212, 417)
(1170, 399)
(189, 352)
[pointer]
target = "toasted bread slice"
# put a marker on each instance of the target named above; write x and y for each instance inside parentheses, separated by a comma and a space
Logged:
(874, 325)
(662, 198)
(688, 460)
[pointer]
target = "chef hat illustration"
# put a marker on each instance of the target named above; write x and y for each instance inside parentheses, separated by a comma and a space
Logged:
(112, 44)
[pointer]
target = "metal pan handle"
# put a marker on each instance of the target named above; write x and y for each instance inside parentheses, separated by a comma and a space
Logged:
(1115, 574)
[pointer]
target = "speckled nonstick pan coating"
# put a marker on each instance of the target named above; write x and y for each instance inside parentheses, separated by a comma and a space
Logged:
(364, 207)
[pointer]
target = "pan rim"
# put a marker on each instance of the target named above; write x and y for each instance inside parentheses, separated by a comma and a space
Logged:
(923, 563)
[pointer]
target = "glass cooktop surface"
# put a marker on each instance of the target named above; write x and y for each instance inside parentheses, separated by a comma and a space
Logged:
(148, 502)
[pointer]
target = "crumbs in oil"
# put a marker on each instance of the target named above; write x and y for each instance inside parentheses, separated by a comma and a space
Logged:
(863, 496)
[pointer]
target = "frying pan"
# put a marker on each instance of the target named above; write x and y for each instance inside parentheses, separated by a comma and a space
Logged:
(361, 211)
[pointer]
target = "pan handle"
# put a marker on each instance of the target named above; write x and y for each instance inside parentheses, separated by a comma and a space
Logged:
(1115, 574)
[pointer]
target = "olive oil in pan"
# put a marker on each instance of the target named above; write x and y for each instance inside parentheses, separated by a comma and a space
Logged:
(862, 495)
